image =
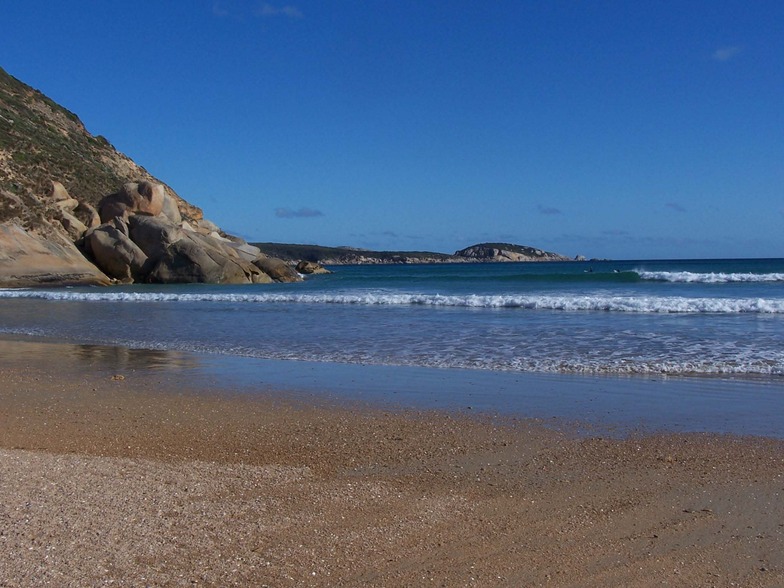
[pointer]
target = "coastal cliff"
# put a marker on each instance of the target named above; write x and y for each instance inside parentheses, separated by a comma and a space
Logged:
(74, 210)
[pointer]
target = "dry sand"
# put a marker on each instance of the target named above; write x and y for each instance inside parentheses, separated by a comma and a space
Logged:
(134, 482)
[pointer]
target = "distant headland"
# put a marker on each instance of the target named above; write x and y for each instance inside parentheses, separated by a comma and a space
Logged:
(482, 252)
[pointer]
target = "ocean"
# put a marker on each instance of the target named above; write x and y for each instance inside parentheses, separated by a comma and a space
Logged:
(703, 323)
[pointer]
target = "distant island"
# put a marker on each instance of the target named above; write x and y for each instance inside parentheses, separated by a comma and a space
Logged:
(482, 252)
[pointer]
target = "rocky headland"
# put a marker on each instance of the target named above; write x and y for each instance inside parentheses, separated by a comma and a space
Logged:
(496, 252)
(75, 211)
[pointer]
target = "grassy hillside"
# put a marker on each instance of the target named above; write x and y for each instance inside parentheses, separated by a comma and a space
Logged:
(319, 254)
(41, 141)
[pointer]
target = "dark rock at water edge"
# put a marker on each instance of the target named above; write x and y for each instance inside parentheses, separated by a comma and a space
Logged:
(141, 243)
(310, 267)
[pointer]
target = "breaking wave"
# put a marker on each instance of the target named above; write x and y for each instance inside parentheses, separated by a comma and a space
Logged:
(566, 302)
(709, 278)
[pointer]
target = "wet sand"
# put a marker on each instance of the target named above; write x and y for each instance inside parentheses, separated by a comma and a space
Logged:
(151, 480)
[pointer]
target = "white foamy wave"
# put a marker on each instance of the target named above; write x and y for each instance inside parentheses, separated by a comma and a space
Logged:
(709, 278)
(573, 303)
(693, 367)
(753, 367)
(664, 368)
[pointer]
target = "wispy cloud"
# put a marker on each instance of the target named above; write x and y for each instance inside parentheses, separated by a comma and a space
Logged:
(726, 53)
(547, 209)
(675, 206)
(242, 9)
(219, 9)
(267, 10)
(301, 213)
(615, 233)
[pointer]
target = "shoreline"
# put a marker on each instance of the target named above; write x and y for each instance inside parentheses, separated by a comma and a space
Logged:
(610, 405)
(149, 479)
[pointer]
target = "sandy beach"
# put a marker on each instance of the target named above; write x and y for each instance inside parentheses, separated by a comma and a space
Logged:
(130, 479)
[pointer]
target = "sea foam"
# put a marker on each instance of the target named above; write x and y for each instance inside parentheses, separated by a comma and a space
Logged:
(708, 278)
(566, 302)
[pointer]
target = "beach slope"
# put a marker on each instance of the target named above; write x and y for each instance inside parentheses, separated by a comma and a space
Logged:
(137, 481)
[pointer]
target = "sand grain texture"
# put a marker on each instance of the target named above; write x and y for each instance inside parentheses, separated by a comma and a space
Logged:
(136, 483)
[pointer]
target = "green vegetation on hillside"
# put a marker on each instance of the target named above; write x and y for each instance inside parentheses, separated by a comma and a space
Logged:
(41, 141)
(317, 253)
(480, 252)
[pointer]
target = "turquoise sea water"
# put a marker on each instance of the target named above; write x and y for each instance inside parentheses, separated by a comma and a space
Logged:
(664, 345)
(665, 318)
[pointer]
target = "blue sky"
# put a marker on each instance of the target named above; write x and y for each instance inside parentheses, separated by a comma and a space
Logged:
(608, 129)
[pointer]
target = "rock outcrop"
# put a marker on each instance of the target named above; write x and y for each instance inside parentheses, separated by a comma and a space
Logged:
(277, 269)
(29, 258)
(310, 267)
(113, 251)
(133, 198)
(499, 252)
(140, 240)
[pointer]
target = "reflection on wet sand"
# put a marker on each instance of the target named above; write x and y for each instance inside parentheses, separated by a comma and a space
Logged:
(124, 358)
(101, 357)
